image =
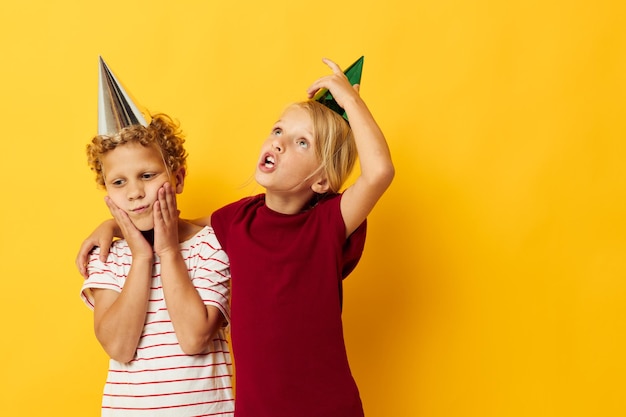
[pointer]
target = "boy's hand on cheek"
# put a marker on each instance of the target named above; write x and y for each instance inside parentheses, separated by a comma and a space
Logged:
(139, 246)
(166, 221)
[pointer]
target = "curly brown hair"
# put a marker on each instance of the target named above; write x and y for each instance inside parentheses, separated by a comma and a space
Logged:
(162, 131)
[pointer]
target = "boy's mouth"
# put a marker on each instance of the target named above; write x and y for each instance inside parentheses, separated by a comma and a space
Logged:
(139, 210)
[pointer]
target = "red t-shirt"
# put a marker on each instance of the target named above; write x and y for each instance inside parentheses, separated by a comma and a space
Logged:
(287, 335)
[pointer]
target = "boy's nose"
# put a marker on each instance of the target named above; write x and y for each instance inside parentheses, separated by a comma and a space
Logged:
(135, 191)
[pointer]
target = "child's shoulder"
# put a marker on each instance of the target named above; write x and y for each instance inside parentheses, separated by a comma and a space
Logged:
(119, 254)
(188, 230)
(119, 246)
(204, 237)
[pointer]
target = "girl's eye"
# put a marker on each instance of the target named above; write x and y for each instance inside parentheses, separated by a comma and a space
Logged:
(303, 143)
(117, 183)
(148, 176)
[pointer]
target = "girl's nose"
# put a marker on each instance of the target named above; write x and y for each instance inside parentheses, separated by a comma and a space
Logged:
(277, 145)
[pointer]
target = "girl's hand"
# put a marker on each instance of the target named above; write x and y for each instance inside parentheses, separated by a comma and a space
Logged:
(102, 236)
(338, 85)
(166, 221)
(139, 246)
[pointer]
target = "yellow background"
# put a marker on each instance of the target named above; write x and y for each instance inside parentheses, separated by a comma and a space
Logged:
(493, 281)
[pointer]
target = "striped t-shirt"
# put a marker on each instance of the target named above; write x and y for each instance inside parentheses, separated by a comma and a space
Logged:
(162, 380)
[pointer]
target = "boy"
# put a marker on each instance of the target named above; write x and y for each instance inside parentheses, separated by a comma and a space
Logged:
(160, 300)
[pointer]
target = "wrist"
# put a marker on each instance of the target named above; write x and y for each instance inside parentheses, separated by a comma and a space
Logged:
(169, 254)
(142, 258)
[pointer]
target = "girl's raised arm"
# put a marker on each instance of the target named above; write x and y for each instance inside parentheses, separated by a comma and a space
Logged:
(377, 170)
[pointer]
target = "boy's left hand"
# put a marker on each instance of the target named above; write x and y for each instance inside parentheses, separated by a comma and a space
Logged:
(165, 221)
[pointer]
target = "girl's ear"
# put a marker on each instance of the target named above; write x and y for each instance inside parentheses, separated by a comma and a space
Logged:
(320, 186)
(180, 180)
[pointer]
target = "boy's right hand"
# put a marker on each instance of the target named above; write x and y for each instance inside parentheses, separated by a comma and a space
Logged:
(102, 236)
(138, 245)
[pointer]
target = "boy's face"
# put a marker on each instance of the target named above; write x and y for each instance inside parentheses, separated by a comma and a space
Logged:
(133, 175)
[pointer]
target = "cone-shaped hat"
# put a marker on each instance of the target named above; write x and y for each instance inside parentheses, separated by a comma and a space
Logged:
(353, 72)
(116, 109)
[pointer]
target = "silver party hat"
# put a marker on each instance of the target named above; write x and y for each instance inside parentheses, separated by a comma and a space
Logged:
(116, 109)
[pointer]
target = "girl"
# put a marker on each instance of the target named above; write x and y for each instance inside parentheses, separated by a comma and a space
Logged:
(289, 250)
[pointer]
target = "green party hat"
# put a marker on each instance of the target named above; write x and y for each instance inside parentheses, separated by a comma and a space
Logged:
(353, 72)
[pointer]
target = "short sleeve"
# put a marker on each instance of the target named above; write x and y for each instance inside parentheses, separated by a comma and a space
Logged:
(353, 249)
(210, 273)
(101, 276)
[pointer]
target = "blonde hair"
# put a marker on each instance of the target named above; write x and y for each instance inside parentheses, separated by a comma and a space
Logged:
(334, 143)
(162, 132)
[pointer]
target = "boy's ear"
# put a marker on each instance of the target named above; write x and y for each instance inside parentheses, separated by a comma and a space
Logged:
(320, 186)
(180, 180)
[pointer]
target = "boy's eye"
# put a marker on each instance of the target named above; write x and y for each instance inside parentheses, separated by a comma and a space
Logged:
(117, 183)
(148, 175)
(277, 131)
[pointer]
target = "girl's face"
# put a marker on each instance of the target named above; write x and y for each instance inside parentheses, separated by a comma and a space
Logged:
(288, 162)
(133, 175)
